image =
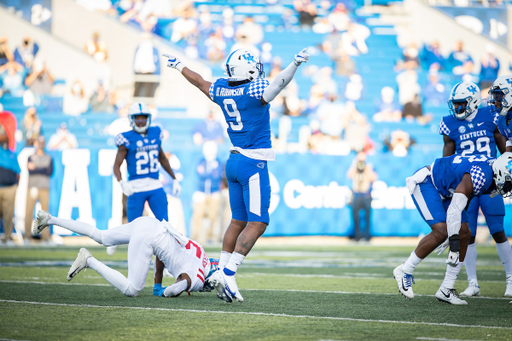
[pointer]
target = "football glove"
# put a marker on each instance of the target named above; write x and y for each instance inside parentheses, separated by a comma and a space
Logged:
(453, 258)
(176, 188)
(158, 290)
(174, 62)
(301, 57)
(440, 249)
(127, 188)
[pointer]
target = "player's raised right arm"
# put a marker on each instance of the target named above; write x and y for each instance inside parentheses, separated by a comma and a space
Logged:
(193, 77)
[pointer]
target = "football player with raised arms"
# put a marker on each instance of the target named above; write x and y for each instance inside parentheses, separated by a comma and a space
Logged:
(142, 150)
(441, 192)
(244, 98)
(471, 130)
(145, 236)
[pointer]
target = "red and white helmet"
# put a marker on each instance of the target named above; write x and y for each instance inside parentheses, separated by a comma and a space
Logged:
(243, 64)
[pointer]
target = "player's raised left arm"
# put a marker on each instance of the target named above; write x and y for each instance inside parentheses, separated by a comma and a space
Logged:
(501, 141)
(283, 78)
(192, 77)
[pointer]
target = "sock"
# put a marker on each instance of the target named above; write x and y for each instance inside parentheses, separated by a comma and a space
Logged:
(470, 263)
(451, 275)
(234, 262)
(78, 227)
(224, 259)
(505, 254)
(112, 276)
(411, 263)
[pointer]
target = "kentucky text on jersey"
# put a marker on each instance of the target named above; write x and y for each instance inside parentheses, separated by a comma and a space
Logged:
(473, 134)
(231, 92)
(146, 148)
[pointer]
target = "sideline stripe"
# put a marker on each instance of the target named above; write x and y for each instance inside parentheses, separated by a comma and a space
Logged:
(262, 314)
(285, 290)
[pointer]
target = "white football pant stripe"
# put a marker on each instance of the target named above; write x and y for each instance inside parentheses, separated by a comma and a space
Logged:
(418, 196)
(255, 194)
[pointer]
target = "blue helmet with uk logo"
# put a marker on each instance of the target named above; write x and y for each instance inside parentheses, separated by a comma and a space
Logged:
(500, 95)
(502, 172)
(243, 64)
(464, 99)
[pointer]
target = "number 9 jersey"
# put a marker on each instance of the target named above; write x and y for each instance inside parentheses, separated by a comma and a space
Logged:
(143, 150)
(475, 137)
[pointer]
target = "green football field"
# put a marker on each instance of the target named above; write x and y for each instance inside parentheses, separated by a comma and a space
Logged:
(291, 293)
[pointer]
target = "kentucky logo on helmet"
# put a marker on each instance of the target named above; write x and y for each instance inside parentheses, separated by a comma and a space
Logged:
(472, 89)
(509, 81)
(248, 57)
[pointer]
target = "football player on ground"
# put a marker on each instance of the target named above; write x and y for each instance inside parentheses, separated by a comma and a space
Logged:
(470, 130)
(142, 150)
(244, 98)
(441, 193)
(145, 236)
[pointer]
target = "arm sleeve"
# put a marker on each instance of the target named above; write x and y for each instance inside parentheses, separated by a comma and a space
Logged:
(454, 213)
(478, 178)
(176, 289)
(120, 140)
(279, 83)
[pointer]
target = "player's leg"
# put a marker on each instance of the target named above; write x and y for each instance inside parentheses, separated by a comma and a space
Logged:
(430, 206)
(157, 201)
(44, 199)
(470, 261)
(135, 205)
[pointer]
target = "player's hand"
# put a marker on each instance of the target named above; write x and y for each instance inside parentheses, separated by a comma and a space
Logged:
(453, 258)
(301, 57)
(440, 249)
(417, 178)
(127, 188)
(174, 62)
(158, 290)
(176, 188)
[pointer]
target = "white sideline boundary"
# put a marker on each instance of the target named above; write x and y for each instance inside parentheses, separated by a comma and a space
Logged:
(286, 290)
(260, 314)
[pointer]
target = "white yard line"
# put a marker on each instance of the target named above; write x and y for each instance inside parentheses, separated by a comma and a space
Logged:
(285, 290)
(261, 314)
(442, 339)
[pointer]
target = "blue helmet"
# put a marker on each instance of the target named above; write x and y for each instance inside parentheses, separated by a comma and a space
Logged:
(136, 109)
(214, 266)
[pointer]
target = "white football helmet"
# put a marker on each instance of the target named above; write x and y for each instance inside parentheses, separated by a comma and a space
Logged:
(501, 169)
(243, 64)
(500, 95)
(464, 99)
(139, 108)
(211, 268)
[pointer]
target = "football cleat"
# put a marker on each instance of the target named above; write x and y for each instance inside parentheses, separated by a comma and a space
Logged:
(79, 264)
(41, 221)
(216, 281)
(508, 291)
(449, 296)
(231, 289)
(472, 290)
(404, 282)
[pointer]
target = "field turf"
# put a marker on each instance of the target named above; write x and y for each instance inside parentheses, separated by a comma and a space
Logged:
(291, 293)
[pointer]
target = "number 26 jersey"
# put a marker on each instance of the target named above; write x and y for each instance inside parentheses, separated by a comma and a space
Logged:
(143, 150)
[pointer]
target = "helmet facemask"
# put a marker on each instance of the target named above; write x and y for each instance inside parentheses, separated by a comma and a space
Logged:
(460, 108)
(501, 169)
(497, 100)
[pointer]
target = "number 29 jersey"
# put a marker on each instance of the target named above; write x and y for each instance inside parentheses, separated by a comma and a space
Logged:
(472, 138)
(248, 121)
(143, 150)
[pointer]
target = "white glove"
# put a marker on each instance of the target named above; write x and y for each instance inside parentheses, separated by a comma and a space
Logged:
(127, 188)
(417, 178)
(176, 188)
(453, 258)
(174, 62)
(301, 57)
(440, 249)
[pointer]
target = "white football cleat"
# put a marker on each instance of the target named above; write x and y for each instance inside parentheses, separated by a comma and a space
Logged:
(41, 221)
(472, 290)
(508, 291)
(111, 250)
(231, 289)
(79, 264)
(449, 296)
(217, 282)
(404, 282)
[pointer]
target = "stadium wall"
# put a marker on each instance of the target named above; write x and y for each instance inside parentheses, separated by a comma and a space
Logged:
(76, 25)
(310, 193)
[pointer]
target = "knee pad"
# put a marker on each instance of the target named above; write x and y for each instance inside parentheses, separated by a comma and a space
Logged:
(130, 291)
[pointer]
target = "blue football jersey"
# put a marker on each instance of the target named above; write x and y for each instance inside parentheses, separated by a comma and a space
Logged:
(143, 150)
(504, 128)
(447, 173)
(472, 138)
(248, 121)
